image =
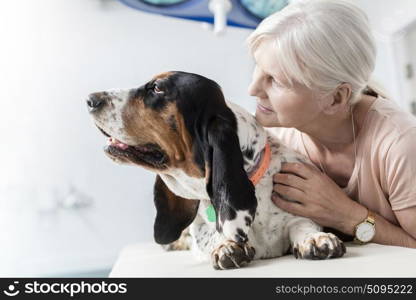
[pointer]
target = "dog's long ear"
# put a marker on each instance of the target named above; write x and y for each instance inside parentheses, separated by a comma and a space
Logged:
(232, 193)
(174, 213)
(213, 126)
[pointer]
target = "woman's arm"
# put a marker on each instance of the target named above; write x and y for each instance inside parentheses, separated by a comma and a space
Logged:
(320, 199)
(386, 232)
(407, 219)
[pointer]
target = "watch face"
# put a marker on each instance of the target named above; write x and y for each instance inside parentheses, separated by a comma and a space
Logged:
(365, 232)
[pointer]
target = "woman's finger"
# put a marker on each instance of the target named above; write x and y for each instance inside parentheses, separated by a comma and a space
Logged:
(290, 180)
(298, 169)
(291, 207)
(289, 192)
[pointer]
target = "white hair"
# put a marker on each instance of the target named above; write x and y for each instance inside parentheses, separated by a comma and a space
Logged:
(320, 44)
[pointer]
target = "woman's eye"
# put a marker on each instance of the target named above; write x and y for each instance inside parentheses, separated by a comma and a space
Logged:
(157, 90)
(275, 83)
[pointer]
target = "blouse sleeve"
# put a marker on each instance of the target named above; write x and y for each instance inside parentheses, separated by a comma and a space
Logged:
(401, 171)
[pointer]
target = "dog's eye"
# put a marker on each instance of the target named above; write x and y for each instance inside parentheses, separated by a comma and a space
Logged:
(157, 90)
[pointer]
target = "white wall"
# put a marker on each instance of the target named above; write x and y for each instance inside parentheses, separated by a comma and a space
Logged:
(393, 23)
(53, 54)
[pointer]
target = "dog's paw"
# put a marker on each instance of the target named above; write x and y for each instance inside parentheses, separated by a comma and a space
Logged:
(232, 255)
(319, 245)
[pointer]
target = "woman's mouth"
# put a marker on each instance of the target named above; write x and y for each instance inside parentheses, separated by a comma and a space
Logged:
(264, 109)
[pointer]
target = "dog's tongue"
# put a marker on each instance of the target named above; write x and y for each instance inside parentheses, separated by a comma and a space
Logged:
(116, 143)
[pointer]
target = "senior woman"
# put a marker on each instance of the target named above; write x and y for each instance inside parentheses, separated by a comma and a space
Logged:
(313, 62)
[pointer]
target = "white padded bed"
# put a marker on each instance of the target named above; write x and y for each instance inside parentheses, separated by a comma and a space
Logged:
(371, 260)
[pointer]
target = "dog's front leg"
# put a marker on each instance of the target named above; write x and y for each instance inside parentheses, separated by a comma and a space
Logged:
(308, 241)
(236, 228)
(223, 253)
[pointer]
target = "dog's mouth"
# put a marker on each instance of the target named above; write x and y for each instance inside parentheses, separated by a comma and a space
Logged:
(148, 154)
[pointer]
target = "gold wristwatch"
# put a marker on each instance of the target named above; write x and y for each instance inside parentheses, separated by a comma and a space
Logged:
(366, 230)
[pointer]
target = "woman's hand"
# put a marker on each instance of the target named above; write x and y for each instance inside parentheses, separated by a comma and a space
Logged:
(318, 197)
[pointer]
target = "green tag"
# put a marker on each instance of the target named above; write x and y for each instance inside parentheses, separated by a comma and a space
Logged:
(210, 211)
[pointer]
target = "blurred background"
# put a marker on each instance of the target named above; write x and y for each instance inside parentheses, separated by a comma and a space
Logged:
(65, 208)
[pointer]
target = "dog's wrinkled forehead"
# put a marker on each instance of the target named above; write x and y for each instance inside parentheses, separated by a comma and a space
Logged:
(170, 87)
(192, 95)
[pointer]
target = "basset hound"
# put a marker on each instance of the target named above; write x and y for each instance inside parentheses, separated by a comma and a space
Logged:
(214, 166)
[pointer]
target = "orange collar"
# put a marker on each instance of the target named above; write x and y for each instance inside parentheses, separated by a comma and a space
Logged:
(263, 166)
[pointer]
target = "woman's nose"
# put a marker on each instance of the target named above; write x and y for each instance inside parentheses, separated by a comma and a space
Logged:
(255, 89)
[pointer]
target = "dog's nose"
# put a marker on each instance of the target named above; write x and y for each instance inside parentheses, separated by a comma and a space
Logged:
(95, 101)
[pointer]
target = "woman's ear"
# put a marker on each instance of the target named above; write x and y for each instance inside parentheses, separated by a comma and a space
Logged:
(174, 213)
(339, 100)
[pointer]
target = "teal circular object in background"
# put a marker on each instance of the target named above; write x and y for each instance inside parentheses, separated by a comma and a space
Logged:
(163, 2)
(263, 8)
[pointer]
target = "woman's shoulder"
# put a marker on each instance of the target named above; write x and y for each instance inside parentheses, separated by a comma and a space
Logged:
(394, 147)
(391, 132)
(388, 118)
(289, 137)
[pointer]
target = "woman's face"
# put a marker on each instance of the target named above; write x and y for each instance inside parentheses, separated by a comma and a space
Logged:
(277, 103)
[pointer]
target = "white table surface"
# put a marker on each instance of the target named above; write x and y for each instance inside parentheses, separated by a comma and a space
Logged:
(371, 260)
